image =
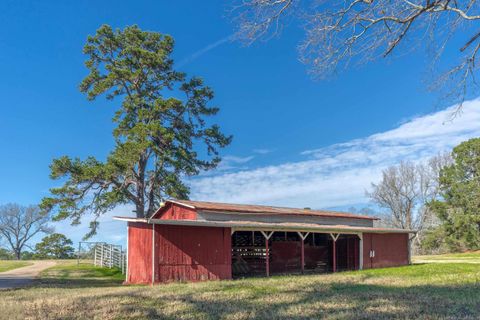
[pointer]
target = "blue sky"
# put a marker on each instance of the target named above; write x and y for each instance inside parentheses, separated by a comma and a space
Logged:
(301, 141)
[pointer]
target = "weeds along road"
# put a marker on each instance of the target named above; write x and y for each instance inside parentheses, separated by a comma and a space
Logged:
(23, 276)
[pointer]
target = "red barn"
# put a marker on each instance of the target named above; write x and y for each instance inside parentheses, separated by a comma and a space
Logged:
(192, 240)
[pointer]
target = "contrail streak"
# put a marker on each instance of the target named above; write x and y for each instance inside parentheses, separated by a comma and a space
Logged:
(202, 51)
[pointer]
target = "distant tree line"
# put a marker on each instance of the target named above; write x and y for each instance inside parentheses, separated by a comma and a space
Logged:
(18, 227)
(439, 198)
(458, 207)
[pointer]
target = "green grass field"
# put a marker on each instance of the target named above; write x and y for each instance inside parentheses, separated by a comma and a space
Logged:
(6, 265)
(445, 290)
(469, 257)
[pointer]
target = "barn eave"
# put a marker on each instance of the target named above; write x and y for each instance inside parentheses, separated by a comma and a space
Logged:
(253, 226)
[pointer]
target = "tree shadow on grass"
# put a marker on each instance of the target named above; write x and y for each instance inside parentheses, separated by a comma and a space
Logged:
(278, 298)
(243, 300)
(339, 301)
(76, 283)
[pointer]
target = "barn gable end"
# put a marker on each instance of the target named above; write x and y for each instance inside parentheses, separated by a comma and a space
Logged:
(174, 211)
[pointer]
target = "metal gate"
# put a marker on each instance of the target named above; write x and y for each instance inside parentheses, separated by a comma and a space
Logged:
(102, 254)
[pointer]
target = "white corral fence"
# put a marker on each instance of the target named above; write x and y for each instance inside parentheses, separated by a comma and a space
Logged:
(109, 255)
(102, 254)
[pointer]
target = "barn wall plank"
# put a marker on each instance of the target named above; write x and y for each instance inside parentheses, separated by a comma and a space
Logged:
(139, 252)
(188, 253)
(391, 250)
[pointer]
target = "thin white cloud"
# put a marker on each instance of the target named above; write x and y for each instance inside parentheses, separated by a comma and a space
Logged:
(204, 50)
(338, 175)
(262, 151)
(235, 159)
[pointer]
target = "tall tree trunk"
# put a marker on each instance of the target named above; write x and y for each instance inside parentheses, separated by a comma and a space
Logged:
(140, 210)
(140, 206)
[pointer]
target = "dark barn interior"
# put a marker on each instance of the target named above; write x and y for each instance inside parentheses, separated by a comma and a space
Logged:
(251, 256)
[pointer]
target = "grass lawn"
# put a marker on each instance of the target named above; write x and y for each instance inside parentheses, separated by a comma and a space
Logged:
(422, 291)
(468, 257)
(6, 265)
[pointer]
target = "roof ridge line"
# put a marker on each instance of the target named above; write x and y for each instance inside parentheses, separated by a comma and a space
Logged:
(194, 204)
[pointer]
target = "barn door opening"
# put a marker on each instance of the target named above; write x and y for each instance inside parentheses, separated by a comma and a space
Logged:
(248, 254)
(347, 252)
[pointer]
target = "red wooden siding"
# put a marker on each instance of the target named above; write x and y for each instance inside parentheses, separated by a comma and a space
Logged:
(139, 253)
(185, 253)
(391, 249)
(313, 255)
(175, 212)
(367, 247)
(193, 253)
(285, 256)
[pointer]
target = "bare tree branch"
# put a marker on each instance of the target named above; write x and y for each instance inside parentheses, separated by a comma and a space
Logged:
(406, 190)
(343, 31)
(20, 224)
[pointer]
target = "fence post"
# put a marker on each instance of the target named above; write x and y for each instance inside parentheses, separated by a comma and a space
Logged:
(123, 262)
(101, 256)
(95, 256)
(111, 255)
(78, 254)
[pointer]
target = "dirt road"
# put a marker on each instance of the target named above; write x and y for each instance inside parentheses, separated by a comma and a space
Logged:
(23, 276)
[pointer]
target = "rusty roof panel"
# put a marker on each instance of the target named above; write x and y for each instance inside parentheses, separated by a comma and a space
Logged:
(258, 209)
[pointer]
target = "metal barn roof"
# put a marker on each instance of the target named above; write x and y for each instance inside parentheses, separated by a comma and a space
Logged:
(264, 210)
(252, 217)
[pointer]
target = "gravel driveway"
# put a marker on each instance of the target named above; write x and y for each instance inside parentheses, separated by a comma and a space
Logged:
(23, 276)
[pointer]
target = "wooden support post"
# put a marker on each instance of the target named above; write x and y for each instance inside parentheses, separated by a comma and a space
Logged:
(126, 258)
(267, 257)
(348, 257)
(303, 257)
(302, 238)
(153, 254)
(334, 256)
(267, 252)
(360, 249)
(335, 250)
